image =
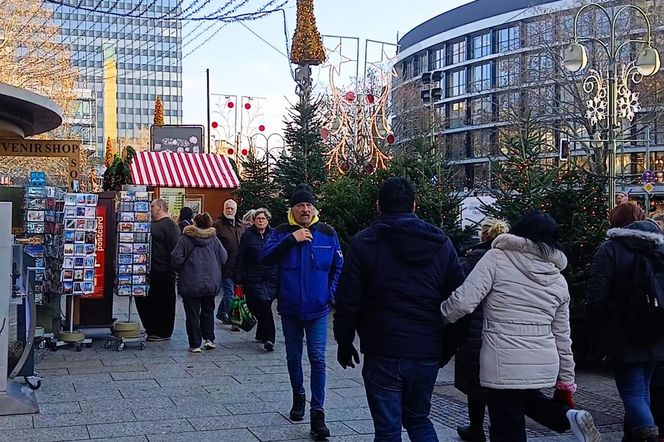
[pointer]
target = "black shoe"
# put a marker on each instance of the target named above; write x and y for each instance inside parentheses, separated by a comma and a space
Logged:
(468, 434)
(224, 319)
(297, 411)
(319, 430)
(268, 346)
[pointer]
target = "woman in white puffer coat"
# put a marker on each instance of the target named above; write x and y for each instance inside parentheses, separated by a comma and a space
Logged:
(526, 343)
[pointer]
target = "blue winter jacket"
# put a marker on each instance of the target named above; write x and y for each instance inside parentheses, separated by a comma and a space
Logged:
(308, 271)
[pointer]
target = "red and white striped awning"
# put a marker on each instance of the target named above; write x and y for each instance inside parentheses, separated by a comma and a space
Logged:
(171, 169)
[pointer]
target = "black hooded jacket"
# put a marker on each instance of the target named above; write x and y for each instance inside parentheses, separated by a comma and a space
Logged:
(395, 275)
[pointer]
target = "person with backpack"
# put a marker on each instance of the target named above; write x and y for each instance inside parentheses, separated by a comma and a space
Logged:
(625, 308)
(198, 258)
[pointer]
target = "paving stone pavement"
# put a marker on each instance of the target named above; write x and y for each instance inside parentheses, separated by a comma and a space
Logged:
(234, 393)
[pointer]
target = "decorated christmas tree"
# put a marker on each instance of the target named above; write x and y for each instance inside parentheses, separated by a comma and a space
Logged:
(108, 153)
(257, 188)
(158, 112)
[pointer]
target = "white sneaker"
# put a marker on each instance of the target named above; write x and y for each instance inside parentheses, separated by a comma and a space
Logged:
(195, 350)
(209, 345)
(583, 426)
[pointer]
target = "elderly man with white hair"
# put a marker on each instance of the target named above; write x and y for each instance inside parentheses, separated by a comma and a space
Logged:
(229, 232)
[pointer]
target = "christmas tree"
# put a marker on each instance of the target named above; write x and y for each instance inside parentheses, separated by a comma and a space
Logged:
(108, 154)
(119, 172)
(257, 188)
(304, 161)
(158, 112)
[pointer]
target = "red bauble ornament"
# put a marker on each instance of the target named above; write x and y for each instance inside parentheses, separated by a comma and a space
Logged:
(370, 99)
(261, 128)
(247, 106)
(231, 105)
(369, 168)
(244, 151)
(230, 151)
(215, 125)
(344, 166)
(350, 96)
(324, 133)
(390, 139)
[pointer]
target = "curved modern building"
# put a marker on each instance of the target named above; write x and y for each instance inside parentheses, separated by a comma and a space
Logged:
(477, 61)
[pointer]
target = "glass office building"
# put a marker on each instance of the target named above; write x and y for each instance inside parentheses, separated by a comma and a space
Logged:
(125, 63)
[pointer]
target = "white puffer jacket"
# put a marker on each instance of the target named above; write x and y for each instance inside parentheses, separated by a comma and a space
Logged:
(526, 333)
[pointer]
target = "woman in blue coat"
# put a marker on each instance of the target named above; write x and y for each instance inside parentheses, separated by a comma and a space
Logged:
(258, 281)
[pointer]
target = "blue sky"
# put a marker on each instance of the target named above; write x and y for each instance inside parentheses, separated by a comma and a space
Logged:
(241, 64)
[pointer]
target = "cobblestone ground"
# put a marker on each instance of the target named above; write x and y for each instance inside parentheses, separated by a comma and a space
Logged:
(234, 393)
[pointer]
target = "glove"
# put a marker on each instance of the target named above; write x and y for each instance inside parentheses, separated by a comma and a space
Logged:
(346, 354)
(564, 394)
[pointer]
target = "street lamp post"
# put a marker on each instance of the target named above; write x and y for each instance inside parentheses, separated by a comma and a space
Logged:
(608, 95)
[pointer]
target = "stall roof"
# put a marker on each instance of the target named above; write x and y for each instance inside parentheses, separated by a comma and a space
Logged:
(171, 169)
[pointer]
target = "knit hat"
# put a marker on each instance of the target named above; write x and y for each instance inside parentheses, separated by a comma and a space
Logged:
(302, 194)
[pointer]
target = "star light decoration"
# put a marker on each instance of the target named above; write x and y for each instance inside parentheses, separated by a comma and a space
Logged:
(358, 128)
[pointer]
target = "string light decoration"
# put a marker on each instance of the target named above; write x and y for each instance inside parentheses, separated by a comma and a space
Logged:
(358, 129)
(158, 112)
(307, 47)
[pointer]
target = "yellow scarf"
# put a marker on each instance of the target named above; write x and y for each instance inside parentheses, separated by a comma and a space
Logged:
(291, 220)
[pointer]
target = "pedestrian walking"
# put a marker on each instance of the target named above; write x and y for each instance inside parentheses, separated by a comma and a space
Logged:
(229, 232)
(396, 274)
(198, 259)
(526, 343)
(625, 292)
(467, 358)
(248, 218)
(259, 281)
(186, 218)
(309, 261)
(624, 214)
(157, 310)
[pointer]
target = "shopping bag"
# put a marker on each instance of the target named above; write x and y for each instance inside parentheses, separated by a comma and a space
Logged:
(240, 315)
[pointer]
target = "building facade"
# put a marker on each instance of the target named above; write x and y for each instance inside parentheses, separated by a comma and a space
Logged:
(125, 63)
(474, 64)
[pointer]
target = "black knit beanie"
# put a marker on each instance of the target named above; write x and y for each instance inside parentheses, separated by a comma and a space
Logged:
(302, 194)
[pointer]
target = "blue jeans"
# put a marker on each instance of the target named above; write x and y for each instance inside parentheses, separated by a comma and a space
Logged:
(226, 296)
(633, 383)
(316, 331)
(399, 392)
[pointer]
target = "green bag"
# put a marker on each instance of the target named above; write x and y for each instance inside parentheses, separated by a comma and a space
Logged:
(240, 314)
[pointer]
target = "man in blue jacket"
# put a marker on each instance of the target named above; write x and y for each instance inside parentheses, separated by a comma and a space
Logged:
(397, 272)
(309, 260)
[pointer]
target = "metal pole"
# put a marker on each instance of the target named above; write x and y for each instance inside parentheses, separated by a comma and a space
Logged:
(612, 137)
(207, 83)
(647, 164)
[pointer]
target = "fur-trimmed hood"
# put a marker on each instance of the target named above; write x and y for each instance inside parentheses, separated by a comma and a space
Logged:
(541, 268)
(634, 234)
(200, 237)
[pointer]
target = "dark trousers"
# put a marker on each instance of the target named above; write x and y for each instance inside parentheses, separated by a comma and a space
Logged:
(199, 318)
(657, 406)
(157, 310)
(262, 310)
(476, 409)
(399, 393)
(508, 410)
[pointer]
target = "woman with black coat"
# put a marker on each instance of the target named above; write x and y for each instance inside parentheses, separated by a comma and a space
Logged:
(186, 218)
(258, 281)
(467, 359)
(620, 277)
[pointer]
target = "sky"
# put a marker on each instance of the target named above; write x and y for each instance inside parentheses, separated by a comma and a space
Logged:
(243, 65)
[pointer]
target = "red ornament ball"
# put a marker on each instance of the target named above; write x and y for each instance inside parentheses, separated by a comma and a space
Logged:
(325, 133)
(390, 139)
(230, 151)
(261, 128)
(344, 166)
(215, 125)
(231, 105)
(371, 99)
(350, 96)
(369, 168)
(244, 151)
(247, 106)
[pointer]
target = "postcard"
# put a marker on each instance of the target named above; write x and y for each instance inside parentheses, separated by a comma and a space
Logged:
(141, 206)
(139, 290)
(78, 288)
(138, 279)
(124, 268)
(87, 287)
(35, 215)
(80, 212)
(125, 248)
(70, 199)
(69, 236)
(90, 225)
(126, 207)
(124, 290)
(79, 249)
(89, 249)
(142, 217)
(140, 237)
(68, 263)
(79, 236)
(37, 204)
(140, 269)
(79, 262)
(124, 279)
(90, 199)
(125, 259)
(91, 212)
(70, 224)
(126, 237)
(140, 248)
(80, 224)
(67, 275)
(89, 262)
(67, 287)
(78, 275)
(90, 237)
(142, 196)
(69, 249)
(142, 227)
(126, 227)
(126, 216)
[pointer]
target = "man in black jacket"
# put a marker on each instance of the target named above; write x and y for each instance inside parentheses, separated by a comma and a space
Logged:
(396, 274)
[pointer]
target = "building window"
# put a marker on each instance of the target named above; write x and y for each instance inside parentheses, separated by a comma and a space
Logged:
(438, 59)
(457, 52)
(481, 143)
(480, 77)
(420, 64)
(508, 73)
(481, 110)
(407, 69)
(541, 100)
(540, 67)
(508, 39)
(508, 103)
(456, 147)
(540, 32)
(456, 114)
(482, 45)
(456, 83)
